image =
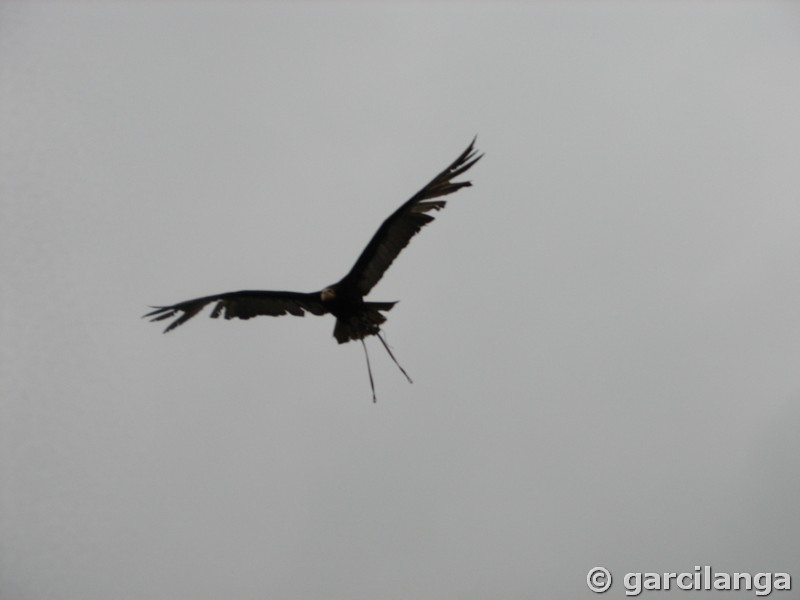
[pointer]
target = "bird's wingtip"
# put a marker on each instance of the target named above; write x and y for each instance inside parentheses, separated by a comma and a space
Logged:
(156, 309)
(471, 153)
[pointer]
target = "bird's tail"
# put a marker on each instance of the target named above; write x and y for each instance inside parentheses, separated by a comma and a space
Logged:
(358, 326)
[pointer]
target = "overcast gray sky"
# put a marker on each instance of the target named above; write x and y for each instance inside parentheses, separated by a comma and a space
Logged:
(604, 331)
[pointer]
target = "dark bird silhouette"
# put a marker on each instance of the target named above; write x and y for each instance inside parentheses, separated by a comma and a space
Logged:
(355, 317)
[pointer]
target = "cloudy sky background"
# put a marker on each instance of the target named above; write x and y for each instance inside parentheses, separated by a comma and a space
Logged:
(604, 332)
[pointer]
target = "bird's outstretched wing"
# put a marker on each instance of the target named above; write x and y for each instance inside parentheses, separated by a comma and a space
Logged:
(396, 231)
(242, 305)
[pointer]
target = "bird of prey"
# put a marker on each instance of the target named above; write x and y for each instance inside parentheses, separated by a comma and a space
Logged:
(356, 318)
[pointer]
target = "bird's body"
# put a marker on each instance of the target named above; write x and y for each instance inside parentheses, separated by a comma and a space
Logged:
(355, 317)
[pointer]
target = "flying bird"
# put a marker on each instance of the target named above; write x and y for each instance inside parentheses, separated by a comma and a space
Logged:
(356, 318)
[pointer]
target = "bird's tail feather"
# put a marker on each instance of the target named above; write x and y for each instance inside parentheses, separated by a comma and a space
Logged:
(365, 323)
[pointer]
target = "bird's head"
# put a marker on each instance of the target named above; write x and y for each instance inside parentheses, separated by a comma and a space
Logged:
(328, 294)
